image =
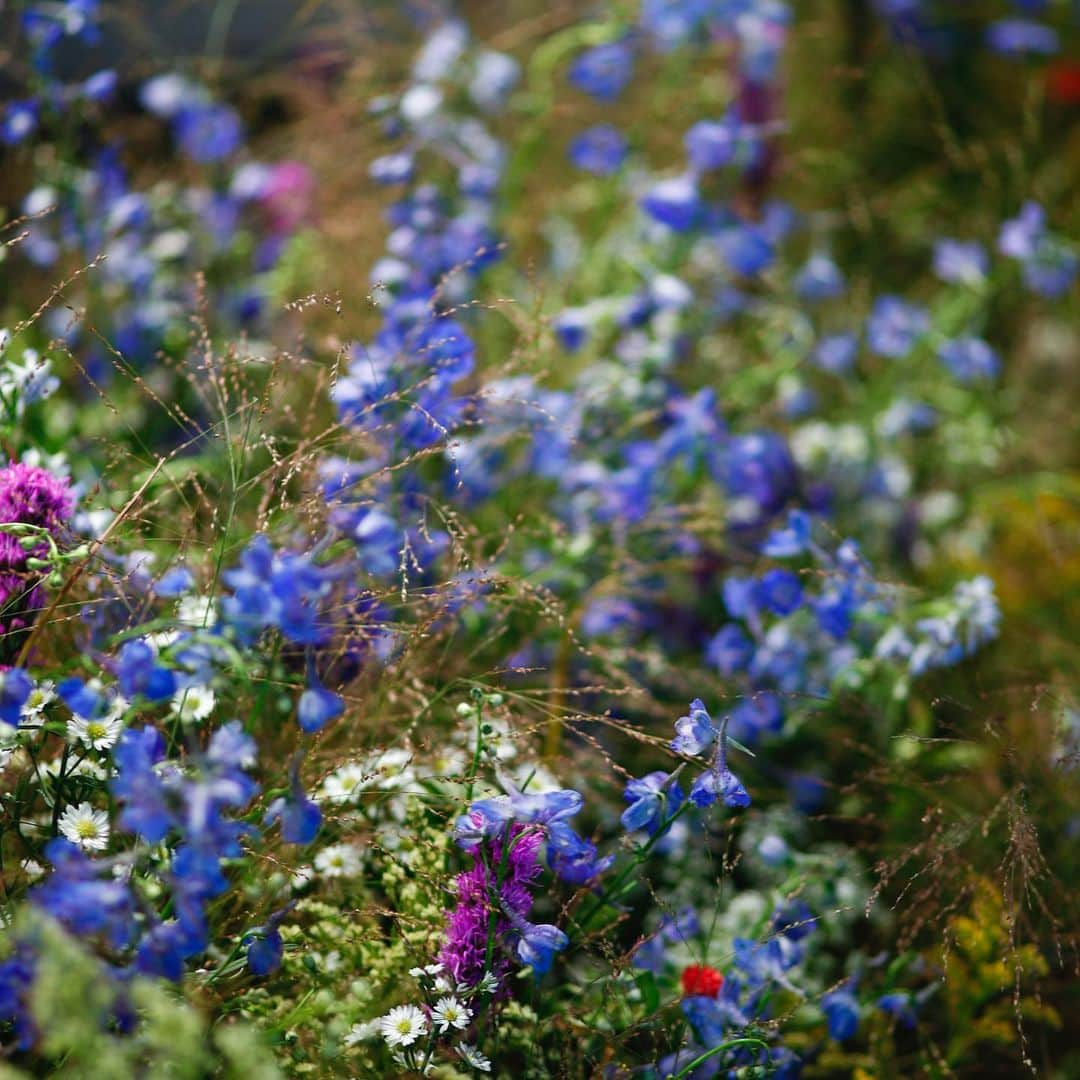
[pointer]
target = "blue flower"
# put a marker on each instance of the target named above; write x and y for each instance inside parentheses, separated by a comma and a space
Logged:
(15, 688)
(819, 279)
(573, 858)
(746, 249)
(894, 327)
(317, 707)
(1018, 37)
(842, 1014)
(263, 950)
(653, 800)
(780, 591)
(759, 715)
(960, 263)
(898, 1006)
(730, 651)
(791, 539)
(969, 358)
(20, 122)
(138, 786)
(718, 783)
(674, 202)
(537, 944)
(81, 699)
(599, 150)
(711, 144)
(693, 733)
(836, 353)
(603, 71)
(300, 818)
(138, 672)
(207, 132)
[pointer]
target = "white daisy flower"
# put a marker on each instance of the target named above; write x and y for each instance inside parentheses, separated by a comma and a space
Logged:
(193, 703)
(345, 783)
(442, 985)
(474, 1057)
(403, 1025)
(488, 984)
(85, 826)
(34, 707)
(359, 1033)
(338, 861)
(450, 1013)
(32, 869)
(98, 733)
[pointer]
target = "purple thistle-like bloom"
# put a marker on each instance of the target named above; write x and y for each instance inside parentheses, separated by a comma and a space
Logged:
(31, 496)
(464, 952)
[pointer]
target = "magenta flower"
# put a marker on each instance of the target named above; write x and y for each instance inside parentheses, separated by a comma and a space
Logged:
(31, 496)
(465, 951)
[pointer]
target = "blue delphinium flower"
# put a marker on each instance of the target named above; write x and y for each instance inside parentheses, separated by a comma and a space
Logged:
(573, 858)
(819, 279)
(599, 150)
(138, 672)
(207, 132)
(317, 707)
(300, 818)
(487, 818)
(730, 651)
(779, 591)
(20, 121)
(1022, 37)
(793, 538)
(536, 944)
(836, 353)
(960, 263)
(674, 202)
(696, 733)
(15, 688)
(841, 1013)
(898, 1005)
(603, 71)
(711, 144)
(969, 358)
(746, 249)
(894, 326)
(653, 799)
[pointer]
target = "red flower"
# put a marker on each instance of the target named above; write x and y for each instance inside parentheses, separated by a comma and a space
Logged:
(700, 980)
(1063, 83)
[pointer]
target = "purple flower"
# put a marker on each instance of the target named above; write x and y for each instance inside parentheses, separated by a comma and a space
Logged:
(484, 901)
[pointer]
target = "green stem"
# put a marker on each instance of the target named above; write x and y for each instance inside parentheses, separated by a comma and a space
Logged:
(731, 1044)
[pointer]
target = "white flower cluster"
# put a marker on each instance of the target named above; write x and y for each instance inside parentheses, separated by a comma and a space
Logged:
(447, 1012)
